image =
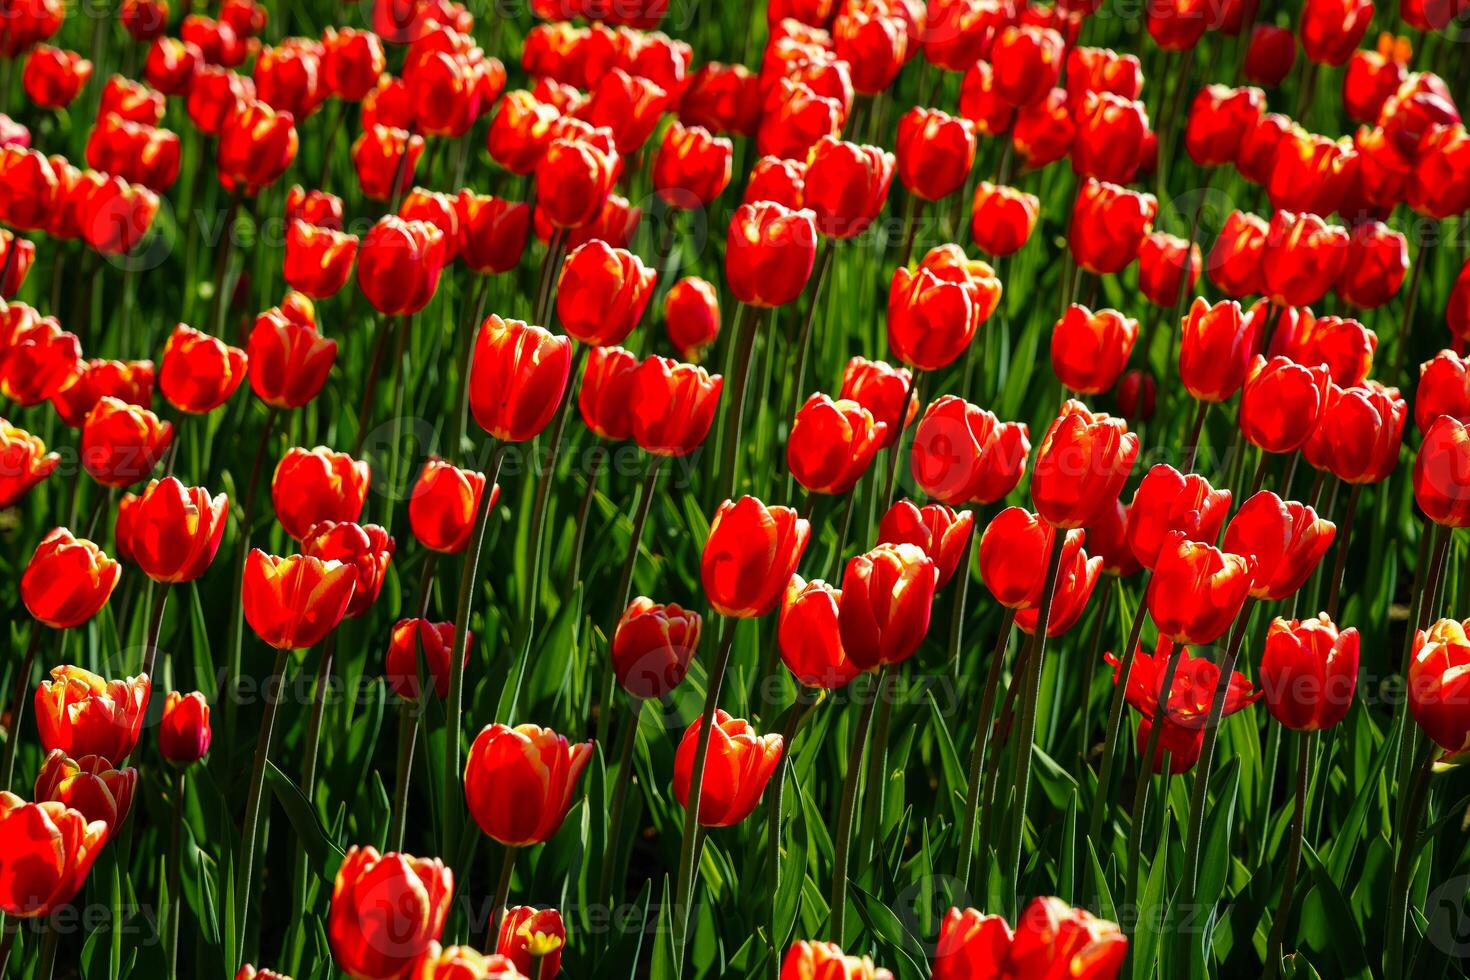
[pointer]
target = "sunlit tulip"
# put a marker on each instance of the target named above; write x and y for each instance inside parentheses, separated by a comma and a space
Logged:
(1168, 268)
(935, 152)
(184, 733)
(53, 77)
(943, 534)
(24, 462)
(1050, 940)
(1108, 142)
(1013, 554)
(492, 232)
(1235, 260)
(532, 939)
(982, 104)
(1280, 403)
(288, 361)
(1043, 131)
(131, 100)
(1168, 501)
(1002, 218)
(1076, 580)
(171, 532)
(518, 378)
(38, 361)
(1438, 684)
(318, 260)
(750, 554)
(288, 76)
(29, 190)
(170, 65)
(832, 444)
(1444, 389)
(439, 210)
(442, 505)
(692, 316)
(90, 785)
(378, 155)
(352, 61)
(127, 381)
(722, 98)
(1217, 118)
(886, 598)
(1302, 258)
(1217, 344)
(602, 293)
(255, 148)
(81, 714)
(1177, 25)
(1331, 29)
(573, 179)
(672, 405)
(737, 768)
(1089, 350)
(1027, 61)
(1280, 566)
(415, 642)
(1360, 433)
(846, 186)
(318, 485)
(50, 849)
(807, 960)
(652, 647)
(215, 96)
(881, 389)
(367, 549)
(519, 782)
(1109, 224)
(1195, 681)
(1442, 473)
(121, 443)
(1309, 671)
(1439, 183)
(399, 264)
(386, 909)
(292, 603)
(1197, 590)
(809, 635)
(217, 41)
(1081, 465)
(935, 310)
(769, 253)
(691, 168)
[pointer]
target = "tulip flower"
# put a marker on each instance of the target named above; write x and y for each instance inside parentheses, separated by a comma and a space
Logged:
(442, 505)
(136, 152)
(386, 910)
(352, 62)
(1444, 389)
(184, 733)
(1102, 70)
(318, 485)
(518, 378)
(722, 98)
(399, 263)
(881, 389)
(89, 785)
(366, 549)
(1216, 348)
(255, 148)
(692, 167)
(1270, 55)
(216, 40)
(1310, 173)
(82, 714)
(53, 78)
(1281, 403)
(1439, 183)
(170, 65)
(292, 603)
(1235, 261)
(532, 940)
(982, 104)
(1089, 350)
(68, 580)
(573, 179)
(1109, 140)
(1081, 465)
(750, 555)
(692, 316)
(171, 532)
(1280, 568)
(1044, 131)
(810, 637)
(39, 361)
(50, 849)
(963, 454)
(17, 255)
(1377, 261)
(886, 598)
(1197, 590)
(602, 293)
(1442, 473)
(1013, 553)
(1217, 118)
(1167, 502)
(1109, 224)
(131, 100)
(935, 310)
(943, 534)
(1168, 268)
(492, 232)
(796, 118)
(1051, 939)
(318, 260)
(935, 152)
(652, 647)
(127, 381)
(439, 210)
(960, 33)
(605, 394)
(121, 442)
(846, 186)
(440, 963)
(1308, 672)
(1302, 257)
(1343, 346)
(1331, 29)
(378, 155)
(1075, 582)
(769, 253)
(1359, 434)
(873, 42)
(24, 463)
(289, 360)
(408, 641)
(1437, 684)
(520, 131)
(1002, 218)
(1108, 539)
(288, 76)
(216, 96)
(826, 960)
(1195, 683)
(519, 782)
(144, 20)
(738, 766)
(30, 189)
(672, 405)
(1027, 61)
(832, 444)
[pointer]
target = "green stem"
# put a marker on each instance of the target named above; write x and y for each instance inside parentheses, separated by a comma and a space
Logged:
(1398, 892)
(806, 702)
(626, 742)
(242, 551)
(46, 958)
(1145, 775)
(746, 320)
(843, 840)
(467, 360)
(408, 730)
(175, 900)
(684, 888)
(1103, 792)
(895, 451)
(158, 598)
(982, 743)
(875, 784)
(1334, 587)
(1191, 452)
(1293, 856)
(468, 584)
(249, 836)
(19, 688)
(310, 751)
(804, 341)
(502, 898)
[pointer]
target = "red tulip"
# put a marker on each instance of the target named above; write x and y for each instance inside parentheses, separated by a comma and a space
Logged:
(519, 132)
(779, 181)
(1217, 118)
(24, 463)
(1108, 539)
(1002, 218)
(652, 647)
(53, 78)
(121, 443)
(1162, 261)
(1360, 432)
(769, 253)
(881, 389)
(1051, 940)
(1177, 25)
(1444, 389)
(1075, 583)
(602, 293)
(846, 186)
(289, 361)
(292, 603)
(1195, 681)
(1331, 29)
(399, 264)
(935, 152)
(532, 940)
(216, 95)
(673, 405)
(386, 910)
(1013, 554)
(1270, 55)
(81, 714)
(1308, 672)
(960, 32)
(1311, 173)
(1377, 261)
(88, 785)
(831, 444)
(442, 505)
(1284, 540)
(216, 40)
(518, 378)
(750, 554)
(127, 381)
(170, 65)
(415, 642)
(722, 98)
(378, 155)
(962, 454)
(519, 782)
(573, 179)
(136, 152)
(1168, 502)
(1102, 70)
(144, 20)
(1280, 403)
(184, 733)
(28, 194)
(1044, 131)
(981, 103)
(318, 485)
(318, 260)
(873, 42)
(1081, 465)
(288, 76)
(367, 549)
(255, 148)
(1197, 590)
(1108, 143)
(171, 532)
(1437, 684)
(738, 766)
(492, 232)
(942, 534)
(691, 168)
(50, 849)
(1442, 473)
(1302, 258)
(1108, 225)
(1372, 77)
(1235, 260)
(352, 62)
(692, 316)
(1089, 350)
(439, 210)
(1027, 62)
(1216, 347)
(1439, 183)
(67, 581)
(810, 637)
(628, 105)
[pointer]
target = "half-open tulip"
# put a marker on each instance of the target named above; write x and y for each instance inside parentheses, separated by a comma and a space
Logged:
(68, 580)
(399, 264)
(518, 378)
(83, 714)
(1439, 683)
(386, 910)
(573, 179)
(412, 642)
(1168, 268)
(1280, 403)
(737, 768)
(962, 454)
(1309, 671)
(532, 940)
(935, 152)
(1197, 590)
(184, 733)
(90, 785)
(442, 505)
(1302, 258)
(602, 293)
(318, 485)
(492, 232)
(1051, 939)
(1235, 260)
(255, 147)
(128, 381)
(832, 444)
(810, 637)
(750, 555)
(810, 960)
(881, 389)
(199, 373)
(1089, 350)
(1109, 223)
(519, 781)
(943, 534)
(1444, 389)
(1081, 465)
(1377, 261)
(672, 405)
(1168, 501)
(288, 359)
(24, 463)
(366, 548)
(318, 260)
(1216, 346)
(292, 603)
(692, 316)
(50, 849)
(172, 531)
(692, 167)
(1442, 473)
(652, 647)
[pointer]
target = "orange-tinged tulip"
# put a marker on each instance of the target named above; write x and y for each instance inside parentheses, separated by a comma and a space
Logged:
(1195, 680)
(379, 154)
(127, 381)
(49, 850)
(520, 131)
(962, 454)
(82, 714)
(673, 405)
(1028, 61)
(1309, 671)
(692, 167)
(1197, 590)
(215, 96)
(1281, 403)
(737, 768)
(492, 232)
(1168, 266)
(982, 104)
(887, 594)
(1166, 502)
(439, 210)
(602, 293)
(518, 377)
(121, 443)
(881, 389)
(873, 42)
(943, 534)
(809, 635)
(132, 100)
(1013, 554)
(170, 531)
(90, 785)
(750, 555)
(692, 316)
(573, 180)
(352, 62)
(1439, 683)
(386, 910)
(1109, 223)
(795, 118)
(1051, 939)
(288, 360)
(1002, 218)
(24, 463)
(826, 961)
(769, 253)
(652, 647)
(318, 260)
(1081, 465)
(415, 641)
(255, 147)
(68, 580)
(184, 733)
(532, 939)
(1089, 350)
(318, 485)
(1311, 173)
(519, 782)
(442, 505)
(1360, 433)
(460, 962)
(1235, 261)
(1216, 347)
(1444, 389)
(292, 603)
(832, 444)
(367, 549)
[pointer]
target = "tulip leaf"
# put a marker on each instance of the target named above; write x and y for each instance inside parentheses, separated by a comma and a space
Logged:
(1150, 914)
(1335, 923)
(323, 855)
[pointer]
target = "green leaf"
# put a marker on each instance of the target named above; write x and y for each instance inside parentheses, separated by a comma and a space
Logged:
(323, 855)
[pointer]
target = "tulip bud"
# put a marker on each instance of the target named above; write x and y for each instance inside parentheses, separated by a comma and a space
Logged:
(692, 316)
(532, 939)
(504, 763)
(184, 734)
(652, 647)
(443, 503)
(518, 378)
(412, 638)
(1270, 55)
(1081, 465)
(935, 152)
